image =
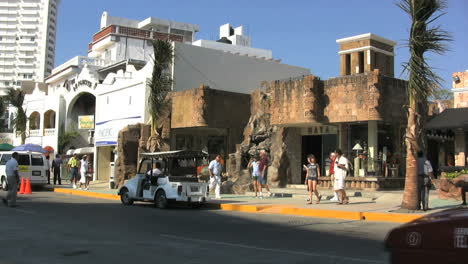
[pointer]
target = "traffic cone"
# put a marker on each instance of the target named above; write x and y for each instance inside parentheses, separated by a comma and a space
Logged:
(27, 189)
(22, 186)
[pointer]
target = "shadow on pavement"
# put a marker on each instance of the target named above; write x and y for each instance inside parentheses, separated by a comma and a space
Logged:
(60, 228)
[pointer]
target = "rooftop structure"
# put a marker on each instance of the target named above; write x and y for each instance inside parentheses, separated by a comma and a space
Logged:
(366, 52)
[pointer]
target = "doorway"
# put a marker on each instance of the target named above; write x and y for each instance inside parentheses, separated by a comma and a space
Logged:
(310, 145)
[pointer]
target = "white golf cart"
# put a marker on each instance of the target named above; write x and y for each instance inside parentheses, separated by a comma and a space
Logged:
(178, 181)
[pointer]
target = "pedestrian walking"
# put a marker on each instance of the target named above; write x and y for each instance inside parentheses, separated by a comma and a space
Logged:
(73, 170)
(11, 170)
(340, 171)
(425, 177)
(464, 190)
(56, 165)
(312, 176)
(216, 169)
(47, 169)
(254, 165)
(84, 166)
(331, 172)
(263, 168)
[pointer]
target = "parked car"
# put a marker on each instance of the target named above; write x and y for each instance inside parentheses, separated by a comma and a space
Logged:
(178, 181)
(31, 165)
(441, 237)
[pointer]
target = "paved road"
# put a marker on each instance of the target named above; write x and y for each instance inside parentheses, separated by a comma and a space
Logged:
(57, 228)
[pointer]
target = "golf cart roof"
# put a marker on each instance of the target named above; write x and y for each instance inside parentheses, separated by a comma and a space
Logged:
(176, 154)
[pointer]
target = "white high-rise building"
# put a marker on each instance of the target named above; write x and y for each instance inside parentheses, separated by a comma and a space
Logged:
(27, 41)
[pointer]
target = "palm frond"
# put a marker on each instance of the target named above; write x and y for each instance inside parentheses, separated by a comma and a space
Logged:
(160, 83)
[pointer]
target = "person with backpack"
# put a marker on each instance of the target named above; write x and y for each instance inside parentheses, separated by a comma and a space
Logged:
(312, 176)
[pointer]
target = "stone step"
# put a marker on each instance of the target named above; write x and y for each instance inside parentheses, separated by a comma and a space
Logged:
(296, 191)
(325, 196)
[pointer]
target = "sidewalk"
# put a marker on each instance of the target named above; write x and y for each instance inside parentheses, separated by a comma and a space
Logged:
(360, 208)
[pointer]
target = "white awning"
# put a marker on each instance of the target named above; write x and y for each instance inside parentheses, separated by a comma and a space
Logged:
(86, 150)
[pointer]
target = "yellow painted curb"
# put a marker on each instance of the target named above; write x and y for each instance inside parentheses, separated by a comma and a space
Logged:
(351, 215)
(244, 207)
(88, 194)
(390, 217)
(278, 209)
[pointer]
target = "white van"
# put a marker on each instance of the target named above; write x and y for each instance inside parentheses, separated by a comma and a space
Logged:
(31, 165)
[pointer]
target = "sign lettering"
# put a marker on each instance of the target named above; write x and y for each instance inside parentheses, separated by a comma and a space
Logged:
(86, 122)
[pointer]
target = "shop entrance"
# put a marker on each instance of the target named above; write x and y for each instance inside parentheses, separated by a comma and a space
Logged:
(311, 145)
(320, 146)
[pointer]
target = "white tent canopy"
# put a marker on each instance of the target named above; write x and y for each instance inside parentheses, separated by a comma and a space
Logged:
(86, 150)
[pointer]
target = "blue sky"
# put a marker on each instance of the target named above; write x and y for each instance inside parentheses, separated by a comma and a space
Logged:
(300, 32)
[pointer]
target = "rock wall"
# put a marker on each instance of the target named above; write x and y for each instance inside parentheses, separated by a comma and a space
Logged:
(450, 188)
(128, 145)
(133, 140)
(259, 135)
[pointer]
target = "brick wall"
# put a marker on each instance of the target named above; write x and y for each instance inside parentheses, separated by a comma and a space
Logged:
(205, 107)
(295, 101)
(361, 97)
(460, 99)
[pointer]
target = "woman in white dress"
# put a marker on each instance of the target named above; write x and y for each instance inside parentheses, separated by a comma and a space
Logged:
(84, 172)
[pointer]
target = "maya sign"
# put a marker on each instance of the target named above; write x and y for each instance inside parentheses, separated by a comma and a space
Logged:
(86, 122)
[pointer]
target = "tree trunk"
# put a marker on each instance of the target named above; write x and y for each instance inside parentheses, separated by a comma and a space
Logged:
(410, 195)
(23, 137)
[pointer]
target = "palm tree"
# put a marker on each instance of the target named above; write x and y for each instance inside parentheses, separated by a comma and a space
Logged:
(3, 108)
(16, 99)
(160, 85)
(422, 81)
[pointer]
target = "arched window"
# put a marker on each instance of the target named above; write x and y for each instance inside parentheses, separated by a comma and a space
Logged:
(49, 119)
(34, 121)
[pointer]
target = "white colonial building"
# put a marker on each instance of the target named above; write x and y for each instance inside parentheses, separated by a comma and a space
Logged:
(100, 94)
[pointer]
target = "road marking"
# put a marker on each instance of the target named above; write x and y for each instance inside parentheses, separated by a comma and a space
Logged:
(309, 254)
(24, 211)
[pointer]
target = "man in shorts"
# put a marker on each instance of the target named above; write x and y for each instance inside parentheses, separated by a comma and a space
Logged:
(73, 170)
(254, 164)
(340, 168)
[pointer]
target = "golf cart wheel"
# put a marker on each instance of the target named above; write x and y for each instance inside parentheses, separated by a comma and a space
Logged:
(125, 198)
(160, 200)
(4, 184)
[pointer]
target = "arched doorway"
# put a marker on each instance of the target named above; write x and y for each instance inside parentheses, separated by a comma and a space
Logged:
(83, 104)
(80, 118)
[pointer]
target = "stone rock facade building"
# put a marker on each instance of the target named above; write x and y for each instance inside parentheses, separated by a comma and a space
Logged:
(293, 117)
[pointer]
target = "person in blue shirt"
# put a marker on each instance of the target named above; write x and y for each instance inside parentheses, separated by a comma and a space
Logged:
(11, 169)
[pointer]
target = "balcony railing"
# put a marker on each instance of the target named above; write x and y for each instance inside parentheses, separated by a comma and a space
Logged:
(49, 132)
(132, 32)
(34, 132)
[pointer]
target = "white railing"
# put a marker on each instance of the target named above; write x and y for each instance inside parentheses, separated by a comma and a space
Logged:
(81, 60)
(49, 132)
(34, 132)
